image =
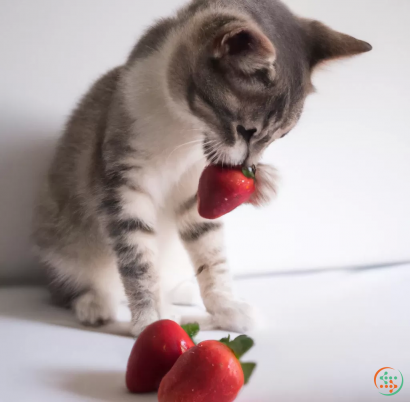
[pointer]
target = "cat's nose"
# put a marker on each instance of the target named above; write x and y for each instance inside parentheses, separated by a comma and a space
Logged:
(246, 133)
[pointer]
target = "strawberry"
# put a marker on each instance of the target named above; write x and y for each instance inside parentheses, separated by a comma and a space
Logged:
(222, 189)
(208, 372)
(155, 352)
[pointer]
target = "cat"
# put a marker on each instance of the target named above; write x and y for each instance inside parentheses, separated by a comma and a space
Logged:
(216, 83)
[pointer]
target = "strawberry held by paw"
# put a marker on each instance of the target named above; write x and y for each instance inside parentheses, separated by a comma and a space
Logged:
(208, 372)
(155, 352)
(222, 189)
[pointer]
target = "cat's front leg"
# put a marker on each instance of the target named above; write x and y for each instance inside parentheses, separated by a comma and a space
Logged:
(205, 244)
(131, 223)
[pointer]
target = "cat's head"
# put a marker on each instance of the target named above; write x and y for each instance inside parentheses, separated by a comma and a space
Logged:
(246, 82)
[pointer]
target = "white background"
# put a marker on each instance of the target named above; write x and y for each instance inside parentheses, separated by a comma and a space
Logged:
(345, 194)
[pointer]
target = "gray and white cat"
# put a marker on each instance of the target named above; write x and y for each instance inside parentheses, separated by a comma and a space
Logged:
(217, 83)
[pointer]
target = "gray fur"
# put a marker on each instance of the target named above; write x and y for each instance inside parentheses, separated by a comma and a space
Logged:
(188, 205)
(195, 232)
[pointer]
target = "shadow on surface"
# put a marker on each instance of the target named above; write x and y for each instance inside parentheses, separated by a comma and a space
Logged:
(33, 304)
(104, 386)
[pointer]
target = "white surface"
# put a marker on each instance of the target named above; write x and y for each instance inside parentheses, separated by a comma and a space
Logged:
(344, 195)
(326, 337)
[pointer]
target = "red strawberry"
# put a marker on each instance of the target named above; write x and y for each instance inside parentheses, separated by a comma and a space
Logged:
(208, 372)
(155, 352)
(222, 189)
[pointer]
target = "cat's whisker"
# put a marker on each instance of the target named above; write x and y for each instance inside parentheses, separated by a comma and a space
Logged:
(217, 149)
(209, 143)
(209, 155)
(213, 154)
(183, 145)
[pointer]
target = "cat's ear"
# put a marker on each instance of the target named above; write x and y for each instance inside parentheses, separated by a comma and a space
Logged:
(244, 48)
(326, 44)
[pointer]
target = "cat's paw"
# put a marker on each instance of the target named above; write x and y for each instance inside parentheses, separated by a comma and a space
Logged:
(266, 185)
(234, 315)
(93, 309)
(145, 318)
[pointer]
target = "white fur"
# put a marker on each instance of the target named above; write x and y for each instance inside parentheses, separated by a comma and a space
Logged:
(136, 203)
(266, 185)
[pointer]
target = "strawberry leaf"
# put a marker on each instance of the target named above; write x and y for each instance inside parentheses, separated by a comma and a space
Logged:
(248, 369)
(240, 345)
(248, 172)
(191, 329)
(226, 340)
